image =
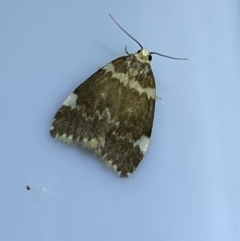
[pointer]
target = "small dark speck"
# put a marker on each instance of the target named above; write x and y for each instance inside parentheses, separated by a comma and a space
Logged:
(28, 188)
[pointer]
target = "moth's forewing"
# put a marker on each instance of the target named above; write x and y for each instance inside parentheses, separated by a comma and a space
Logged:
(111, 113)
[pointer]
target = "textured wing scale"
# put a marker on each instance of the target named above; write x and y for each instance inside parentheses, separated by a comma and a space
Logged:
(111, 113)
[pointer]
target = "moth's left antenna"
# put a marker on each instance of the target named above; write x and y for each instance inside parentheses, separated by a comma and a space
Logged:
(125, 31)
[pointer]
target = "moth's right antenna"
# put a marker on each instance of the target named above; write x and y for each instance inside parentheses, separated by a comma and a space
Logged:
(166, 56)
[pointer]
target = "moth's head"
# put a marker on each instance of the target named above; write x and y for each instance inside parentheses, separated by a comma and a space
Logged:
(144, 56)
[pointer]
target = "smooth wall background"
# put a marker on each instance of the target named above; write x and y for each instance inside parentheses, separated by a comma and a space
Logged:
(187, 186)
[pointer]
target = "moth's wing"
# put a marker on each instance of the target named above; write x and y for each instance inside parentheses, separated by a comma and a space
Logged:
(111, 113)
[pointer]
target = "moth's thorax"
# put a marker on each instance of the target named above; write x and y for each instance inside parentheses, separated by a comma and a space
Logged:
(143, 56)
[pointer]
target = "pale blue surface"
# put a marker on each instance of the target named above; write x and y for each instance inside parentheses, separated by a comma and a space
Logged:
(187, 187)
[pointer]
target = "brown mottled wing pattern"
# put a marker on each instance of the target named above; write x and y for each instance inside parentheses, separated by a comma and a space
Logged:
(111, 113)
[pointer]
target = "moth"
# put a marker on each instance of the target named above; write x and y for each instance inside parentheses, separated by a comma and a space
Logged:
(112, 112)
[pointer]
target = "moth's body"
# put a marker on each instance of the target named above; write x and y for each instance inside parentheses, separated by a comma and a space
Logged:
(112, 112)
